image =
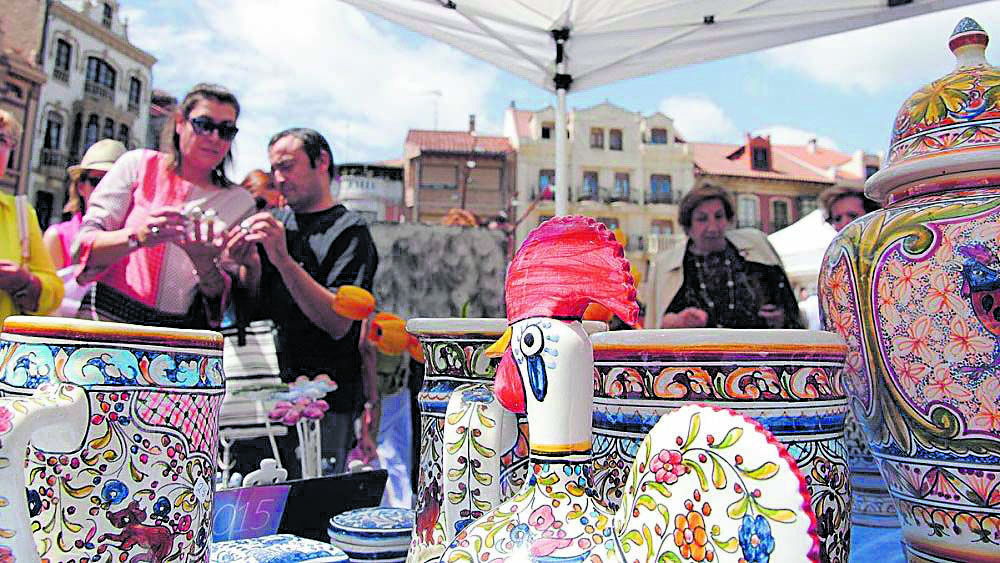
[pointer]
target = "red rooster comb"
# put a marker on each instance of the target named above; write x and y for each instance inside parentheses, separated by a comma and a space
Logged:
(566, 264)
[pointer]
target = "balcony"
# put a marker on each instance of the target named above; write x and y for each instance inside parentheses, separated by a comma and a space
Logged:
(60, 74)
(98, 91)
(661, 197)
(51, 158)
(619, 196)
(591, 193)
(660, 242)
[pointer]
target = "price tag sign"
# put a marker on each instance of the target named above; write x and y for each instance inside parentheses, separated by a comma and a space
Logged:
(248, 512)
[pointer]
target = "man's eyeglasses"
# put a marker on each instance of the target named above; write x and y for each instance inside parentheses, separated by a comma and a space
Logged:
(92, 179)
(205, 126)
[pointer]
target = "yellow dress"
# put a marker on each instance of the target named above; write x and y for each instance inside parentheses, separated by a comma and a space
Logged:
(40, 262)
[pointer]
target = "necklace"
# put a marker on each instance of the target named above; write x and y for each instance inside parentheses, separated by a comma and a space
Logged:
(699, 263)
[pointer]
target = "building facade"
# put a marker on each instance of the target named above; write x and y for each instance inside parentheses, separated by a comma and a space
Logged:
(446, 170)
(626, 169)
(98, 87)
(775, 185)
(21, 81)
(373, 190)
(161, 107)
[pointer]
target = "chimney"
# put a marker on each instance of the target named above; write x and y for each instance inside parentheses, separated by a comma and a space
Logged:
(472, 124)
(811, 146)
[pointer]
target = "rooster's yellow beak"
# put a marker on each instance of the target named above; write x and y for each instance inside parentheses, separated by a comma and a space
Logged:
(500, 346)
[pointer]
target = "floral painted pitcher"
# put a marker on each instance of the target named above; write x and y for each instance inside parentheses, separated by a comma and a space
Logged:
(120, 424)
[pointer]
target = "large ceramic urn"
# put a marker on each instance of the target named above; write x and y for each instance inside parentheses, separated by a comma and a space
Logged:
(915, 290)
(108, 441)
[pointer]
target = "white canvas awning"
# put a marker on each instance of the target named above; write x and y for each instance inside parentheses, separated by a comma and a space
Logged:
(578, 44)
(801, 247)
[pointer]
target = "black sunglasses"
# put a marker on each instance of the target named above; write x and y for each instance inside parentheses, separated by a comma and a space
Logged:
(92, 179)
(205, 126)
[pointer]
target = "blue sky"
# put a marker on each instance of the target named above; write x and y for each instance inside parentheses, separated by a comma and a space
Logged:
(363, 82)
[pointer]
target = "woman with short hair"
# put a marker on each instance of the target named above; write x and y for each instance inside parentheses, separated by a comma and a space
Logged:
(717, 277)
(156, 224)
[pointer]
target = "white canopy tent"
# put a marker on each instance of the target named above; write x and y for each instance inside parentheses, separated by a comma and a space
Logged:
(801, 247)
(580, 44)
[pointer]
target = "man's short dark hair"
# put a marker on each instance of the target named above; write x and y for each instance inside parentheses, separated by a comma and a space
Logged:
(312, 142)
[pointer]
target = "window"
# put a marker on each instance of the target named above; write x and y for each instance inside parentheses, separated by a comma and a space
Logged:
(546, 182)
(90, 136)
(547, 128)
(543, 218)
(44, 203)
(870, 169)
(109, 128)
(779, 214)
(123, 134)
(615, 139)
(108, 17)
(760, 159)
(134, 94)
(659, 188)
(100, 72)
(596, 138)
(748, 211)
(621, 185)
(589, 183)
(15, 90)
(658, 136)
(53, 131)
(807, 204)
(63, 54)
(661, 227)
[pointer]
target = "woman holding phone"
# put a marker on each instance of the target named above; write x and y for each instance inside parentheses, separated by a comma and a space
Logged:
(156, 224)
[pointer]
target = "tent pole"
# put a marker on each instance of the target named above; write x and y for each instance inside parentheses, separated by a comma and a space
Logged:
(562, 177)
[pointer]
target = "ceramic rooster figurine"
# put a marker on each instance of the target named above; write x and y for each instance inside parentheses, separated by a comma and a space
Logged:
(707, 485)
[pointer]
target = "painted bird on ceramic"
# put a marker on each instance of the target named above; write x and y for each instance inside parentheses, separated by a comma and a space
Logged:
(546, 371)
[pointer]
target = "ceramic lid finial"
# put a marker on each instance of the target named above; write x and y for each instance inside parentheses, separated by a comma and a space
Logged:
(968, 42)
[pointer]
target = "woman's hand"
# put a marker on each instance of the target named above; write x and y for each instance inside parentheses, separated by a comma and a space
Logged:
(163, 225)
(773, 315)
(692, 317)
(13, 276)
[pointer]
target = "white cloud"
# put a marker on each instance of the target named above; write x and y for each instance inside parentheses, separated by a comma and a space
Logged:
(785, 135)
(912, 51)
(319, 64)
(698, 118)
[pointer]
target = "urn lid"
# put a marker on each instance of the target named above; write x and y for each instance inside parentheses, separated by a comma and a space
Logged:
(950, 126)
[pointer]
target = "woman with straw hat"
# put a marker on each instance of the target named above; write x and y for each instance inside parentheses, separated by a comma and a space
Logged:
(83, 178)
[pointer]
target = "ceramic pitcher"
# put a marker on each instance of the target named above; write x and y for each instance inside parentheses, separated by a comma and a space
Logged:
(914, 290)
(121, 423)
(787, 380)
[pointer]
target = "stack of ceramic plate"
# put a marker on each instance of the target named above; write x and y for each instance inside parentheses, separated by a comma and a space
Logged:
(373, 535)
(276, 549)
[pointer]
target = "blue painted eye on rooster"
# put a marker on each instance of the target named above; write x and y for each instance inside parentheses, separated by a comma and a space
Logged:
(534, 357)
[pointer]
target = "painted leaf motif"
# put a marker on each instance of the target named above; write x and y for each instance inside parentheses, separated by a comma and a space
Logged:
(102, 441)
(718, 474)
(485, 420)
(693, 428)
(646, 502)
(731, 438)
(660, 488)
(702, 480)
(455, 474)
(933, 102)
(630, 539)
(649, 542)
(777, 514)
(767, 470)
(737, 509)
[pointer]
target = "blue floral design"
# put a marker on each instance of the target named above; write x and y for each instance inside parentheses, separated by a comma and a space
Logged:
(520, 535)
(114, 491)
(756, 540)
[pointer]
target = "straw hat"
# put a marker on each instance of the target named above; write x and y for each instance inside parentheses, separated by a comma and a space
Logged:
(100, 156)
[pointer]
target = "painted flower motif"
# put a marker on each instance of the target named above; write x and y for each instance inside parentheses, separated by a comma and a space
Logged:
(755, 539)
(520, 535)
(668, 466)
(887, 303)
(542, 518)
(909, 374)
(964, 342)
(907, 279)
(838, 285)
(988, 417)
(690, 536)
(6, 555)
(942, 386)
(114, 492)
(553, 538)
(942, 295)
(289, 413)
(917, 339)
(5, 417)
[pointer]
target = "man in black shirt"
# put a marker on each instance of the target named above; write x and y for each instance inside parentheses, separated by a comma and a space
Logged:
(309, 249)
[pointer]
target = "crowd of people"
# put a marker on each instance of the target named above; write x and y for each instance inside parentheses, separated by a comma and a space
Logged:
(166, 238)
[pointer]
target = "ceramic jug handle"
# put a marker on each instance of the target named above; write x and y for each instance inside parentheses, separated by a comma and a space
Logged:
(54, 420)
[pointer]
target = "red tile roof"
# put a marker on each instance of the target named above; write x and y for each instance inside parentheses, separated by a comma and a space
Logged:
(456, 142)
(788, 162)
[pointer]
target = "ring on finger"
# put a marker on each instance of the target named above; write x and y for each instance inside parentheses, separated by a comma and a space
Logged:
(154, 230)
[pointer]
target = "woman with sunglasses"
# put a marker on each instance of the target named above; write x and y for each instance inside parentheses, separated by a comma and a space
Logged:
(842, 204)
(157, 223)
